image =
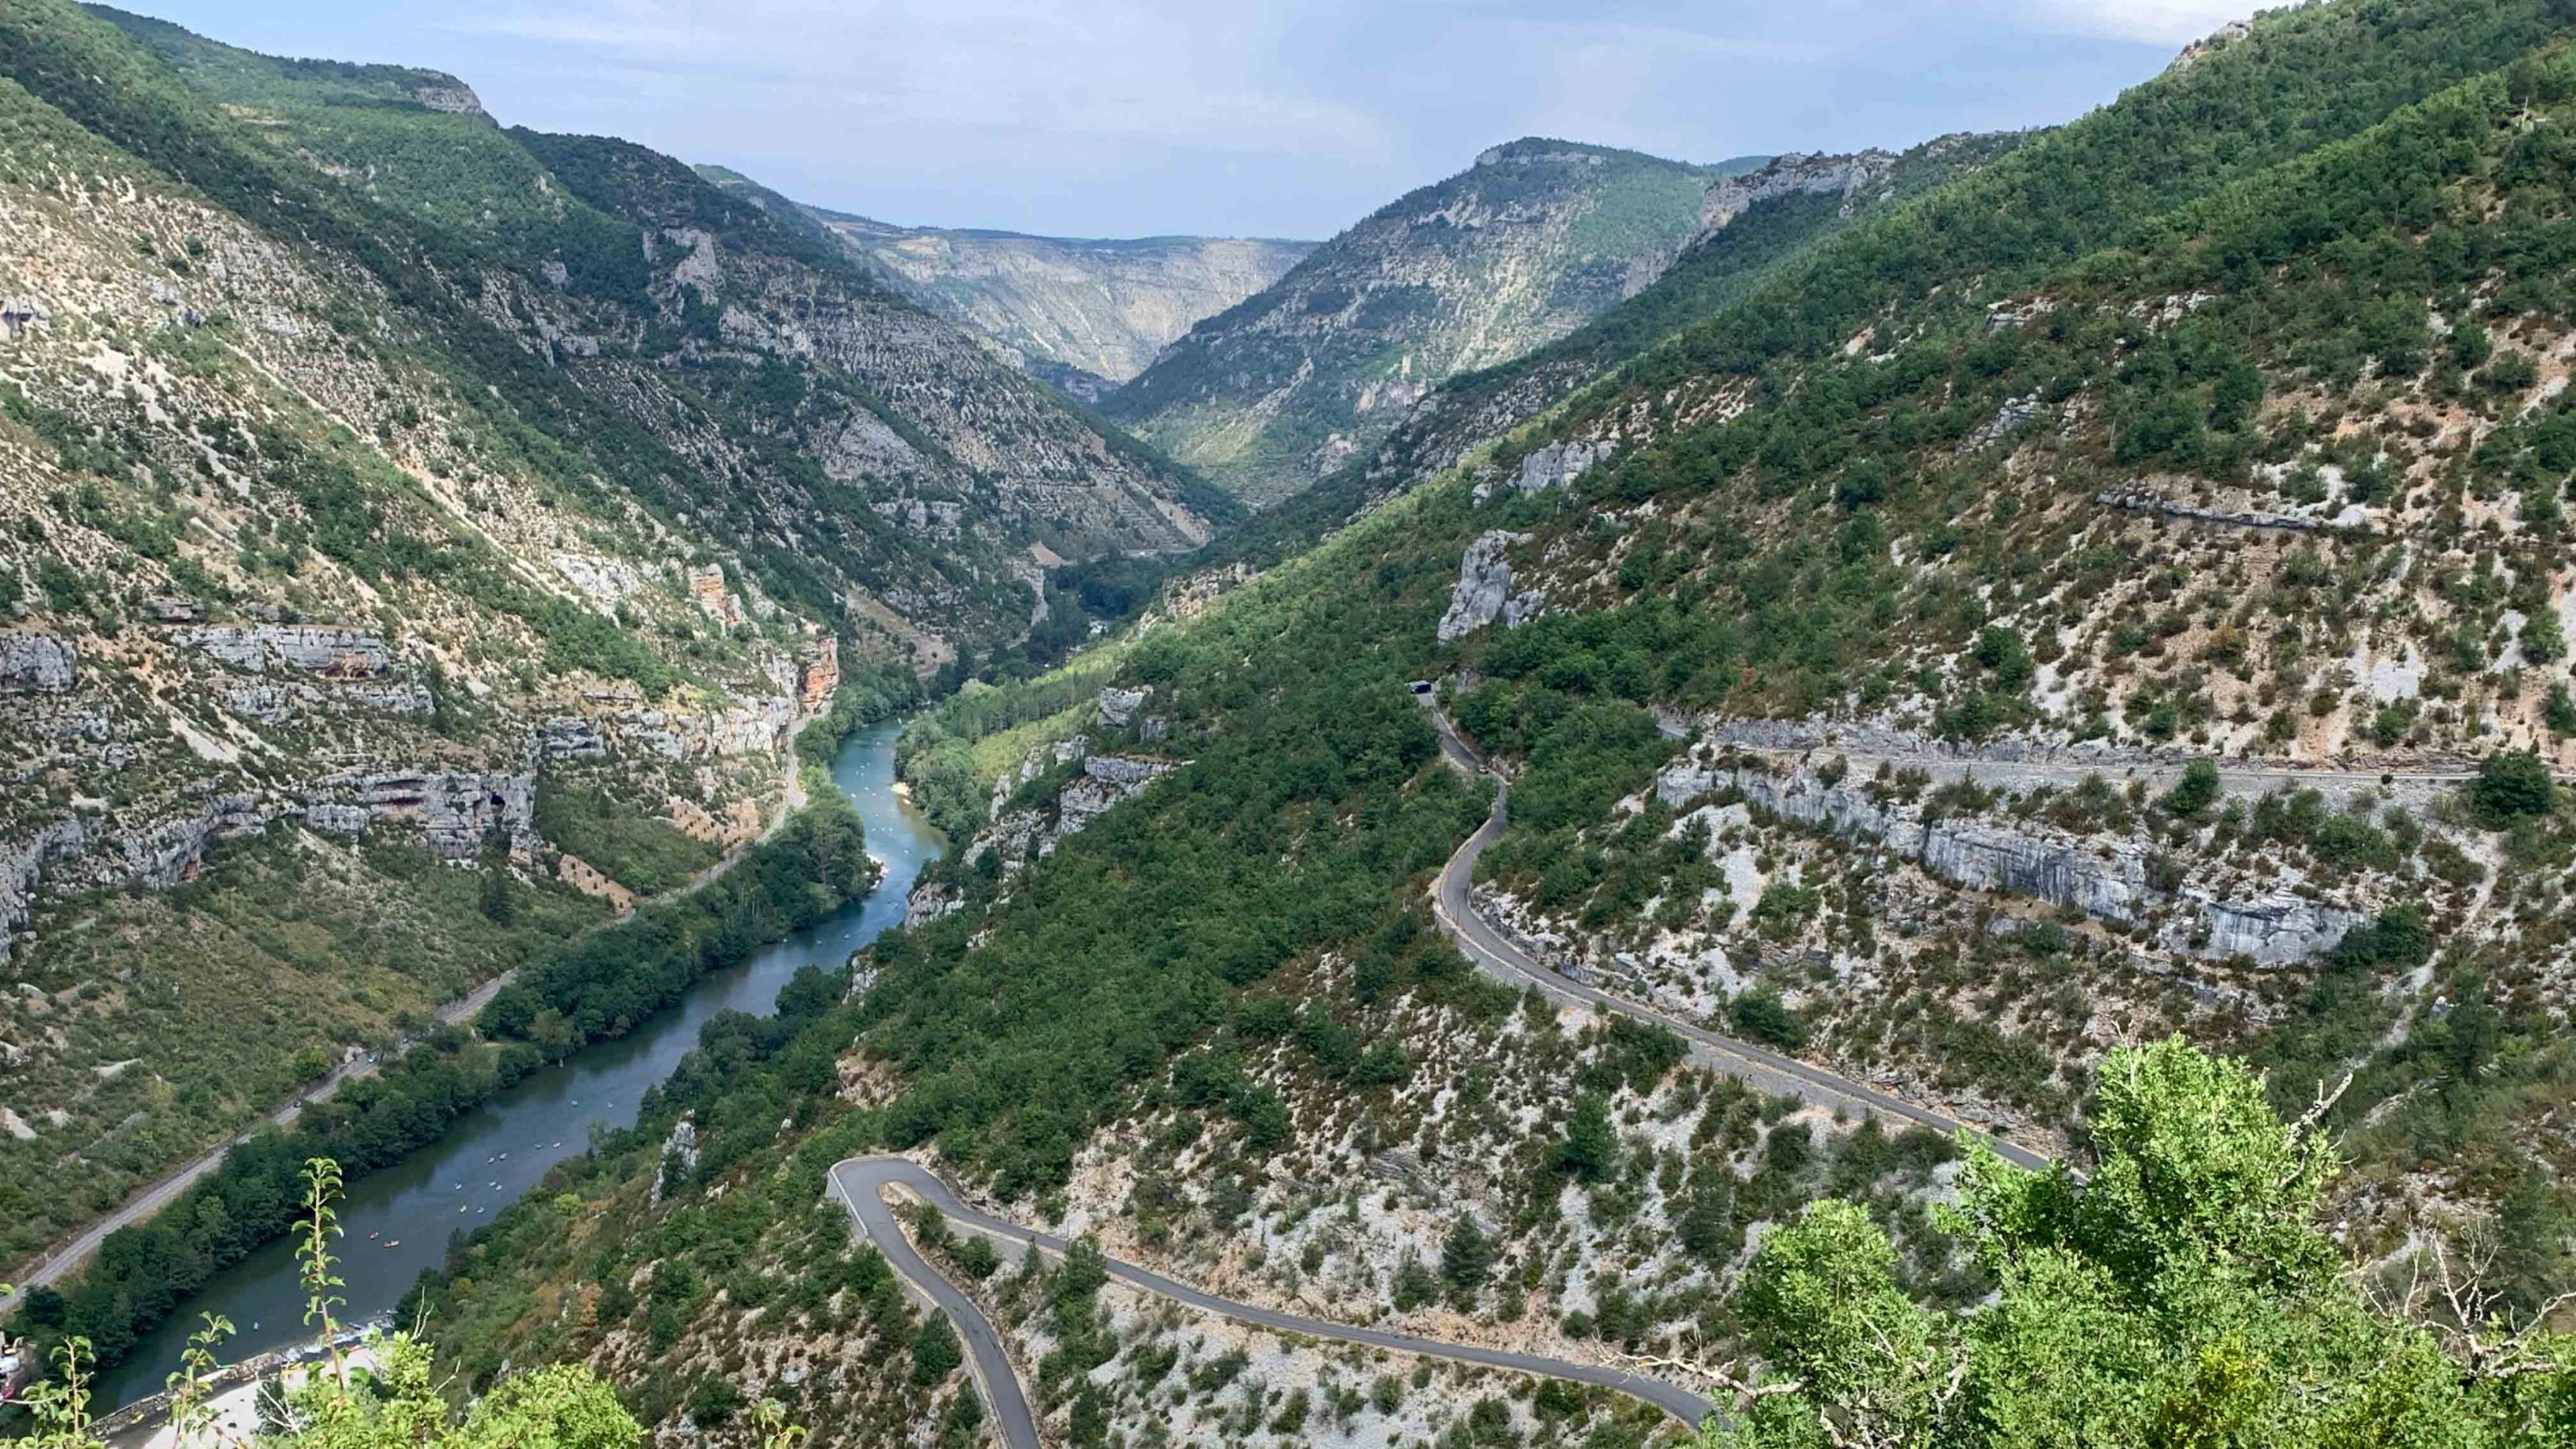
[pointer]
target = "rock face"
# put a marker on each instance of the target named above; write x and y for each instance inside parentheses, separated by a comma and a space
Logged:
(1849, 177)
(331, 652)
(1485, 590)
(679, 1156)
(2105, 878)
(757, 727)
(2011, 418)
(1085, 315)
(450, 95)
(1119, 706)
(1553, 466)
(21, 315)
(31, 662)
(571, 738)
(1106, 780)
(85, 852)
(930, 901)
(923, 517)
(1534, 240)
(820, 675)
(452, 810)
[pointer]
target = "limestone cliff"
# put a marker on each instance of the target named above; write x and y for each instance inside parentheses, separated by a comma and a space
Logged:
(1535, 239)
(1084, 314)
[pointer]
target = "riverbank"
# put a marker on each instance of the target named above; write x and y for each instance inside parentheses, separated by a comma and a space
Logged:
(419, 1111)
(63, 1259)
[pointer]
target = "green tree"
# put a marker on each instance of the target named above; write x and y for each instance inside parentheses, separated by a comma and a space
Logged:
(2182, 1294)
(1466, 1258)
(1591, 1146)
(935, 1350)
(383, 1396)
(2198, 790)
(2512, 786)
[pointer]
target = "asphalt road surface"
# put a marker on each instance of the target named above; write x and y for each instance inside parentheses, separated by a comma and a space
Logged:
(1765, 1070)
(861, 1183)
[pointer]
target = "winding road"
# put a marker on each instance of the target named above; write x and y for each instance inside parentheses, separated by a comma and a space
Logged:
(861, 1182)
(1764, 1070)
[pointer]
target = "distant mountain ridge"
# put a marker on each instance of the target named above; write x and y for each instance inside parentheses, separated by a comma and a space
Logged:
(1085, 314)
(1529, 243)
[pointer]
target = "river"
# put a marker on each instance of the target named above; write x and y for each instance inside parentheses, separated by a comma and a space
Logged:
(399, 1220)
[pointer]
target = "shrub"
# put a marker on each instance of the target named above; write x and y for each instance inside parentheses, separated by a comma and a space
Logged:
(2511, 787)
(935, 1350)
(1591, 1147)
(1763, 1017)
(2198, 790)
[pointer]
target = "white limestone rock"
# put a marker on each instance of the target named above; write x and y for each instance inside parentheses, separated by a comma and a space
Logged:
(1485, 590)
(31, 662)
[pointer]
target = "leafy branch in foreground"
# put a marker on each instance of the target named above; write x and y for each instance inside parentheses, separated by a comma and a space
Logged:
(381, 1396)
(2183, 1294)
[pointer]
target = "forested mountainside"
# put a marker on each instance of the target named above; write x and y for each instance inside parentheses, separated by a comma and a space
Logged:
(1084, 314)
(382, 490)
(1535, 239)
(2113, 596)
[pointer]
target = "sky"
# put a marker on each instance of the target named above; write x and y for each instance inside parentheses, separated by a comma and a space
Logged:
(1285, 118)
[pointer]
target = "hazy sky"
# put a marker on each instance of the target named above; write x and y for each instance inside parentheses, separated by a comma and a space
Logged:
(1240, 117)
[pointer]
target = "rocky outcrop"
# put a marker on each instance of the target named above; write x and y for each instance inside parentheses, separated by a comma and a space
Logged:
(758, 727)
(1485, 590)
(85, 852)
(2104, 877)
(930, 901)
(679, 1156)
(2011, 418)
(571, 737)
(274, 703)
(2200, 50)
(334, 653)
(22, 315)
(604, 581)
(1017, 835)
(1553, 466)
(922, 517)
(1106, 780)
(707, 587)
(1849, 177)
(819, 675)
(453, 810)
(452, 96)
(31, 662)
(1119, 706)
(2136, 501)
